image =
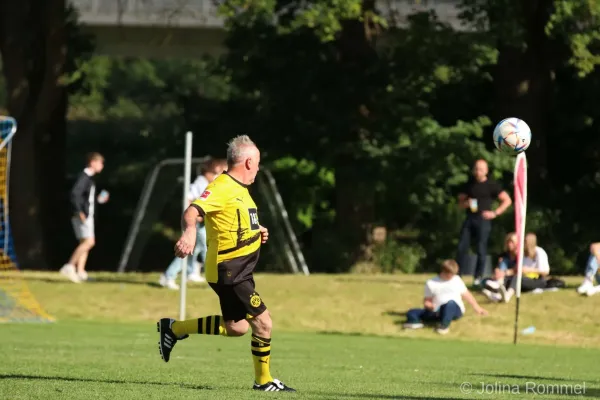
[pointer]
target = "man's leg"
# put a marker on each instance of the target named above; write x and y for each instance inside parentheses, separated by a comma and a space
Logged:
(464, 242)
(414, 318)
(483, 230)
(448, 313)
(199, 255)
(591, 269)
(231, 323)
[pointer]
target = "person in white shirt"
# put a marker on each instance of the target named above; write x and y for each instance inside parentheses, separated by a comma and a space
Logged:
(591, 271)
(206, 174)
(535, 270)
(443, 302)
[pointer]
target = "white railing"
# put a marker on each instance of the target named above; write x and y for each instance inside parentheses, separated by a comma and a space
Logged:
(202, 13)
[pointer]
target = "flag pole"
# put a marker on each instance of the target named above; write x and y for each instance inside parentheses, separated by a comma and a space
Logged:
(520, 194)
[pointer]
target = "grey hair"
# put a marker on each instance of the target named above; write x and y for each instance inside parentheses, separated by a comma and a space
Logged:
(237, 148)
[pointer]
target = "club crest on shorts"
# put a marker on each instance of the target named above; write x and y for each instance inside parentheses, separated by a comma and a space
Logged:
(205, 195)
(255, 300)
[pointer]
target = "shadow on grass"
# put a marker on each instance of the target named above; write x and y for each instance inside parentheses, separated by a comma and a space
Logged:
(377, 396)
(532, 377)
(115, 381)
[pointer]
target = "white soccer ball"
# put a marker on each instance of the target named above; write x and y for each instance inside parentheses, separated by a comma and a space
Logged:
(512, 135)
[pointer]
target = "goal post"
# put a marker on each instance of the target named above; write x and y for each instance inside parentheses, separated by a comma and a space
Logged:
(17, 303)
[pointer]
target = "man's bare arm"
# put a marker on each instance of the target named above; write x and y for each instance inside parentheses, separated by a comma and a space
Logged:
(463, 200)
(190, 217)
(505, 202)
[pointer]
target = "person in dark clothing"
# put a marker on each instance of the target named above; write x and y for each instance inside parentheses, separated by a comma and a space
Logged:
(476, 197)
(83, 199)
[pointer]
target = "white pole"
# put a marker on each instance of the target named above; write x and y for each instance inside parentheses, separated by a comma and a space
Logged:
(187, 177)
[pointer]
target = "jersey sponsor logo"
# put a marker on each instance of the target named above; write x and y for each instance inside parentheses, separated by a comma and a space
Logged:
(254, 225)
(205, 195)
(255, 300)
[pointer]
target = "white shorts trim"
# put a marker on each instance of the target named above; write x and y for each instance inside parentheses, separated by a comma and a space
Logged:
(83, 230)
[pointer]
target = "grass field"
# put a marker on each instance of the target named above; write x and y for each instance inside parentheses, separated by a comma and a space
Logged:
(336, 337)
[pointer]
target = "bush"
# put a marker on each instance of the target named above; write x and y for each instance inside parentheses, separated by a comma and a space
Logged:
(392, 256)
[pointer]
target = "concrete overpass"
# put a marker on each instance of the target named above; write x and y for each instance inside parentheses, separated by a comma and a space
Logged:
(191, 28)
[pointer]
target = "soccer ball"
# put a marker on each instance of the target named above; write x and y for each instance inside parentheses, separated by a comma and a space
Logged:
(512, 135)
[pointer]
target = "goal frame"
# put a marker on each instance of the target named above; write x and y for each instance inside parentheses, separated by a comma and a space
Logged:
(265, 180)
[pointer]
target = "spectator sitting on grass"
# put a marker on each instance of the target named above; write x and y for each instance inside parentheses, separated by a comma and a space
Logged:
(591, 271)
(535, 268)
(443, 301)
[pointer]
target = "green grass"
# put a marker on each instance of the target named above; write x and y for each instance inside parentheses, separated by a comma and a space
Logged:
(104, 344)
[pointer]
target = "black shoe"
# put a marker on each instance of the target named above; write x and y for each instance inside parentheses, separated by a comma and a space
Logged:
(167, 338)
(275, 386)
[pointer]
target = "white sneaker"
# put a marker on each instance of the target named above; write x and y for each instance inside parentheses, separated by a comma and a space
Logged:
(68, 270)
(196, 278)
(442, 331)
(506, 294)
(593, 290)
(585, 286)
(409, 325)
(83, 275)
(168, 283)
(494, 297)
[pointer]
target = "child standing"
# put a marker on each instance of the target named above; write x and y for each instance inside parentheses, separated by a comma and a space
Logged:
(443, 302)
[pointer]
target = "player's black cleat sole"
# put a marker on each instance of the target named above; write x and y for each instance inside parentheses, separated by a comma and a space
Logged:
(167, 338)
(275, 386)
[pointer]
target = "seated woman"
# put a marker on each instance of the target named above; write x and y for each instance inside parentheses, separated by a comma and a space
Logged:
(535, 269)
(591, 271)
(443, 301)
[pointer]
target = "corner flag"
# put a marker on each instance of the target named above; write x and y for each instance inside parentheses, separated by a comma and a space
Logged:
(520, 188)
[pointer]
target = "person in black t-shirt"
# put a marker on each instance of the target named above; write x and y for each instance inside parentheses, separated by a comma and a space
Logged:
(477, 197)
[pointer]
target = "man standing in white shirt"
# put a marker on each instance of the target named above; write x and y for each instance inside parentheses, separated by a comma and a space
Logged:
(443, 302)
(207, 172)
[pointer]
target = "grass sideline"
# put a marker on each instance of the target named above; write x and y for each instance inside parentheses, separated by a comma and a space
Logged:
(349, 304)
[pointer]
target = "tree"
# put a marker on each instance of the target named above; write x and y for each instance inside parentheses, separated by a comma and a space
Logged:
(36, 58)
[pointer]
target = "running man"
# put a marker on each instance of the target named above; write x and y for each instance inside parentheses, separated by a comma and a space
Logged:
(234, 239)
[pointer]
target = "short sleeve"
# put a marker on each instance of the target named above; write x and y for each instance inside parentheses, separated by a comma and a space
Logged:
(460, 285)
(209, 202)
(542, 260)
(496, 189)
(428, 293)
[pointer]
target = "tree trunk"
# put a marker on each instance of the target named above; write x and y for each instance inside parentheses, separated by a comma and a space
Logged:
(354, 200)
(33, 49)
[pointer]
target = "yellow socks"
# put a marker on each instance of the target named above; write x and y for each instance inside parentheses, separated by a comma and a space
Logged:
(261, 356)
(211, 325)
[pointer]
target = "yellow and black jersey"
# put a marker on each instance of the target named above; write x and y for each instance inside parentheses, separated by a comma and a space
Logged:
(232, 230)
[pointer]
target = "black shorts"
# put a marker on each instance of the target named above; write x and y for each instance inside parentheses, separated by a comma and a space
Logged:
(239, 301)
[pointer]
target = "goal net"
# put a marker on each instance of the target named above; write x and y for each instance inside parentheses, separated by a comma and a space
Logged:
(158, 214)
(17, 303)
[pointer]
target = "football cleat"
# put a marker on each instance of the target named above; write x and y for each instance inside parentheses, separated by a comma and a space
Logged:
(167, 339)
(275, 386)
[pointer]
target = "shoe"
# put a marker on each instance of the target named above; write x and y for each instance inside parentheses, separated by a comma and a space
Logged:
(196, 278)
(275, 386)
(477, 282)
(442, 331)
(167, 339)
(585, 286)
(592, 290)
(83, 275)
(410, 325)
(506, 294)
(168, 283)
(68, 270)
(494, 297)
